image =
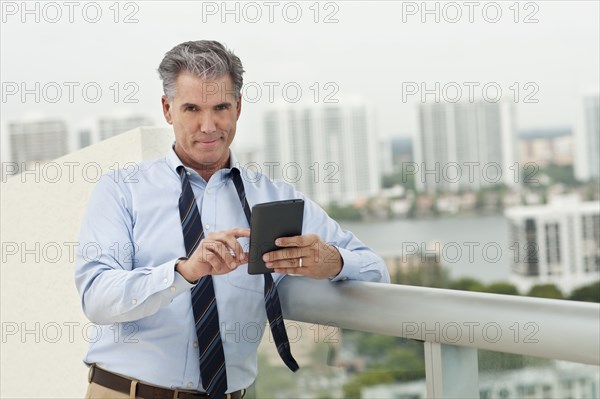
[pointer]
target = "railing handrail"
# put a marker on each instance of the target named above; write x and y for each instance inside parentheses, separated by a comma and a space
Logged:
(549, 328)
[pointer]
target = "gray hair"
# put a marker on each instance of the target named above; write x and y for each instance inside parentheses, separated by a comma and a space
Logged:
(206, 59)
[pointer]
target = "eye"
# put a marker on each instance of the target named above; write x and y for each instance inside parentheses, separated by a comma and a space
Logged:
(222, 107)
(191, 108)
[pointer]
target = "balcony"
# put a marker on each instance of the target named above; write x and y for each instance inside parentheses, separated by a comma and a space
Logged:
(45, 335)
(453, 326)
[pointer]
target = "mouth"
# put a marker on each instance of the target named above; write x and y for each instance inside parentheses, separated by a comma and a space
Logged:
(209, 143)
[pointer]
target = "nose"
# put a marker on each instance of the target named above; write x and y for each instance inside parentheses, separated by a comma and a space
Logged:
(207, 123)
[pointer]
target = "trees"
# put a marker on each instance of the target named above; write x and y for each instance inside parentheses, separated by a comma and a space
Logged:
(587, 293)
(340, 212)
(502, 287)
(388, 359)
(467, 284)
(546, 291)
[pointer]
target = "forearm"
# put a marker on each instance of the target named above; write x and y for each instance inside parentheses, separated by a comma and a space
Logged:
(111, 295)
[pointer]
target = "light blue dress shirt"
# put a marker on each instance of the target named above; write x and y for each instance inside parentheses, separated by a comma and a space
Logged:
(130, 239)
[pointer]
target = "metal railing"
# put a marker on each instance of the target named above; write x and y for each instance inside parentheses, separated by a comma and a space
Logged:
(453, 324)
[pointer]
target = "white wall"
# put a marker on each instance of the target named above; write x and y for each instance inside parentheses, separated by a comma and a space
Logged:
(43, 328)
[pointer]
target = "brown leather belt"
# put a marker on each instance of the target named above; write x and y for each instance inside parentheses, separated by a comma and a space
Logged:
(123, 385)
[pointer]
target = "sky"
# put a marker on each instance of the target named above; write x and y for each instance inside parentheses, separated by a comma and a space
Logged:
(541, 55)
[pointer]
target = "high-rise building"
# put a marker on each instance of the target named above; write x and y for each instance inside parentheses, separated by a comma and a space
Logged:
(327, 151)
(113, 125)
(464, 146)
(38, 140)
(558, 243)
(587, 139)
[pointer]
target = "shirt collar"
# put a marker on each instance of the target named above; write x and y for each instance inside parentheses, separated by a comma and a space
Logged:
(174, 162)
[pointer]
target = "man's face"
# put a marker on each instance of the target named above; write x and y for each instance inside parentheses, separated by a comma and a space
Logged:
(204, 115)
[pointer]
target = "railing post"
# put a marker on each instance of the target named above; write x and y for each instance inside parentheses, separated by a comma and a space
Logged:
(451, 371)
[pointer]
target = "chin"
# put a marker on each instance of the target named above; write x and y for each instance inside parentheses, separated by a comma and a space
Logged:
(208, 160)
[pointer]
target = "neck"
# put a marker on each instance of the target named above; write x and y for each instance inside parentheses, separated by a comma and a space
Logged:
(205, 171)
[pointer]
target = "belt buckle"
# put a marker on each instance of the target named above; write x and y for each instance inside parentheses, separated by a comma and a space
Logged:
(91, 373)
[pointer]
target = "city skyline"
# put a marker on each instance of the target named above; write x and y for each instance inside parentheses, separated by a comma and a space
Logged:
(528, 61)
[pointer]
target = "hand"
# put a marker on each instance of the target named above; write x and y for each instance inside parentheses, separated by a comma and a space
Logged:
(214, 255)
(319, 259)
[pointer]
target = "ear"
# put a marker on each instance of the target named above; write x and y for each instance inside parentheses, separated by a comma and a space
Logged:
(239, 107)
(166, 107)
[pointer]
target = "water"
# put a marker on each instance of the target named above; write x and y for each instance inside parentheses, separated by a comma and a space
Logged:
(470, 246)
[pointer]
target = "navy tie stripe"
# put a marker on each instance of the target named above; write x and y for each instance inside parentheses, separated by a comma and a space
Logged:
(204, 304)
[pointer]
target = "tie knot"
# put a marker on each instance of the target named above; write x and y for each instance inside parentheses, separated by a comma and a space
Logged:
(183, 175)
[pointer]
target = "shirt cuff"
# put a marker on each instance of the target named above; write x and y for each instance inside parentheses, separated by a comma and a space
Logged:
(171, 283)
(350, 266)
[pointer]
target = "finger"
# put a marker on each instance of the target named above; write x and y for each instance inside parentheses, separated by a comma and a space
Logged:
(287, 264)
(234, 246)
(216, 263)
(285, 253)
(228, 237)
(222, 251)
(297, 241)
(294, 241)
(240, 232)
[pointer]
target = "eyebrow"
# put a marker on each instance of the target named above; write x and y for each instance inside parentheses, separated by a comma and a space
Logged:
(225, 103)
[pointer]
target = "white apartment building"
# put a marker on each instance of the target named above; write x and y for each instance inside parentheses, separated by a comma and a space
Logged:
(328, 151)
(37, 140)
(110, 126)
(557, 244)
(464, 146)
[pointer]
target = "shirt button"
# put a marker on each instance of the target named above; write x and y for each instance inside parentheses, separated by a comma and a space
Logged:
(173, 289)
(133, 301)
(207, 227)
(195, 344)
(188, 173)
(166, 280)
(208, 191)
(189, 385)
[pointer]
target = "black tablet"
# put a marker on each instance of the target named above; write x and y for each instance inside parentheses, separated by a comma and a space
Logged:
(271, 220)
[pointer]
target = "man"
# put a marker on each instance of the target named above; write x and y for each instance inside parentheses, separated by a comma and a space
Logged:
(161, 264)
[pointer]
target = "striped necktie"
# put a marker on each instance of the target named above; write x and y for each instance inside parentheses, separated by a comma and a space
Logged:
(272, 305)
(204, 304)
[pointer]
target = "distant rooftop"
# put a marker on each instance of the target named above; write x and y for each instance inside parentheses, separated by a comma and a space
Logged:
(549, 133)
(557, 205)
